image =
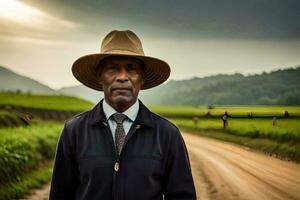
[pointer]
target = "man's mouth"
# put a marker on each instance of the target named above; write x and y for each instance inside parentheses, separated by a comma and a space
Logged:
(122, 91)
(121, 88)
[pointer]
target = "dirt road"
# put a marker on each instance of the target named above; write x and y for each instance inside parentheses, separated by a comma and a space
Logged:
(226, 171)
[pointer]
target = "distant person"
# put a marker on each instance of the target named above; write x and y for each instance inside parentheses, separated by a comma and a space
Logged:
(250, 115)
(274, 122)
(196, 120)
(225, 120)
(286, 114)
(120, 149)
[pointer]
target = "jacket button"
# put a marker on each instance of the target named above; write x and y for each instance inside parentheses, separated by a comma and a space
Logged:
(116, 167)
(138, 126)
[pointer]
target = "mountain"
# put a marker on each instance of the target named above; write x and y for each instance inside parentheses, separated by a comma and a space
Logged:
(11, 81)
(280, 87)
(277, 87)
(173, 92)
(82, 92)
(157, 95)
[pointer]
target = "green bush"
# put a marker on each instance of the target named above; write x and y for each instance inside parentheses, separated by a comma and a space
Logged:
(23, 149)
(31, 180)
(8, 119)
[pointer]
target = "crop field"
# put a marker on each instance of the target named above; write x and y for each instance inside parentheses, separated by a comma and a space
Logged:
(283, 130)
(234, 111)
(66, 103)
(26, 151)
(9, 119)
(45, 102)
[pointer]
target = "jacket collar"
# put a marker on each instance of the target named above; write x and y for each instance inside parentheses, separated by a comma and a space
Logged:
(97, 117)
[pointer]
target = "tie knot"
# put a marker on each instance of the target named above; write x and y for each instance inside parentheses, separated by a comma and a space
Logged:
(119, 117)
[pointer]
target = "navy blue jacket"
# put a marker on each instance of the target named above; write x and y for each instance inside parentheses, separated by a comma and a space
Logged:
(153, 163)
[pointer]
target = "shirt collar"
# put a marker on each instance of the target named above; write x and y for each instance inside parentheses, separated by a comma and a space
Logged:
(144, 116)
(131, 112)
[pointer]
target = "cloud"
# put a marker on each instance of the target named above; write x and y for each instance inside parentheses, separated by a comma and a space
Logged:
(20, 19)
(195, 19)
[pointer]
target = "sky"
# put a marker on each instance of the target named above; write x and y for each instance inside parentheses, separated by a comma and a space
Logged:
(198, 38)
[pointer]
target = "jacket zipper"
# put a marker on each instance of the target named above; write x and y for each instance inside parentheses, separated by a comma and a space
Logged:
(115, 177)
(115, 194)
(116, 160)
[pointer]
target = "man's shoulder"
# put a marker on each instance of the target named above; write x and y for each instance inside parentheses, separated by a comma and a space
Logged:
(77, 119)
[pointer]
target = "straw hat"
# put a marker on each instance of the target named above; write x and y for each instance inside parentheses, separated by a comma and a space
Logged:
(120, 43)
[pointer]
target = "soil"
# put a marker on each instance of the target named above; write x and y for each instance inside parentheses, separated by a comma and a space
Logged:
(227, 171)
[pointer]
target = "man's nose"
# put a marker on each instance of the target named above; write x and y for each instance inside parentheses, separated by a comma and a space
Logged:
(122, 75)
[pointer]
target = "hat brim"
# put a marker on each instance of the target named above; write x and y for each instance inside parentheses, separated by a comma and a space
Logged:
(85, 70)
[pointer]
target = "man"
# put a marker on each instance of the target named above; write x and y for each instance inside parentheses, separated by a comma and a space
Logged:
(119, 149)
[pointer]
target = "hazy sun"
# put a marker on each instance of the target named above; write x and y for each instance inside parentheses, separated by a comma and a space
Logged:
(20, 12)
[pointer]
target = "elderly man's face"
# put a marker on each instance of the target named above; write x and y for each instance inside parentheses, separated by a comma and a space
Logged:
(122, 79)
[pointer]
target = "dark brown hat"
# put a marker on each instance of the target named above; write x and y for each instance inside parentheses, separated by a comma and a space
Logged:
(120, 43)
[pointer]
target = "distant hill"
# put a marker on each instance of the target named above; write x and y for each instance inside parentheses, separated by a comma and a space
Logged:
(11, 81)
(173, 92)
(280, 87)
(157, 95)
(82, 92)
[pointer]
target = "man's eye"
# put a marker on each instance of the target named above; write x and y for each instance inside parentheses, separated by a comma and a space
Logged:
(131, 68)
(111, 67)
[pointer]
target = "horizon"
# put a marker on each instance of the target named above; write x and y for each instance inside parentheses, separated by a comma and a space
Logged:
(169, 80)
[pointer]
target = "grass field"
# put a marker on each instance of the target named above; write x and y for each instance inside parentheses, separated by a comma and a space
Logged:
(235, 111)
(45, 102)
(285, 130)
(26, 150)
(65, 103)
(282, 140)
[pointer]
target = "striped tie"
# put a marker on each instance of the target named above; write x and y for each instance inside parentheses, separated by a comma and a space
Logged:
(120, 133)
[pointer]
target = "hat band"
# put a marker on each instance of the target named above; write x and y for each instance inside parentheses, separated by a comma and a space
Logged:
(122, 51)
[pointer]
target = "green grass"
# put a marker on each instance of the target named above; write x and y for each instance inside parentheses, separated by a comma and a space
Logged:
(285, 130)
(235, 111)
(45, 102)
(22, 149)
(29, 181)
(282, 140)
(283, 150)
